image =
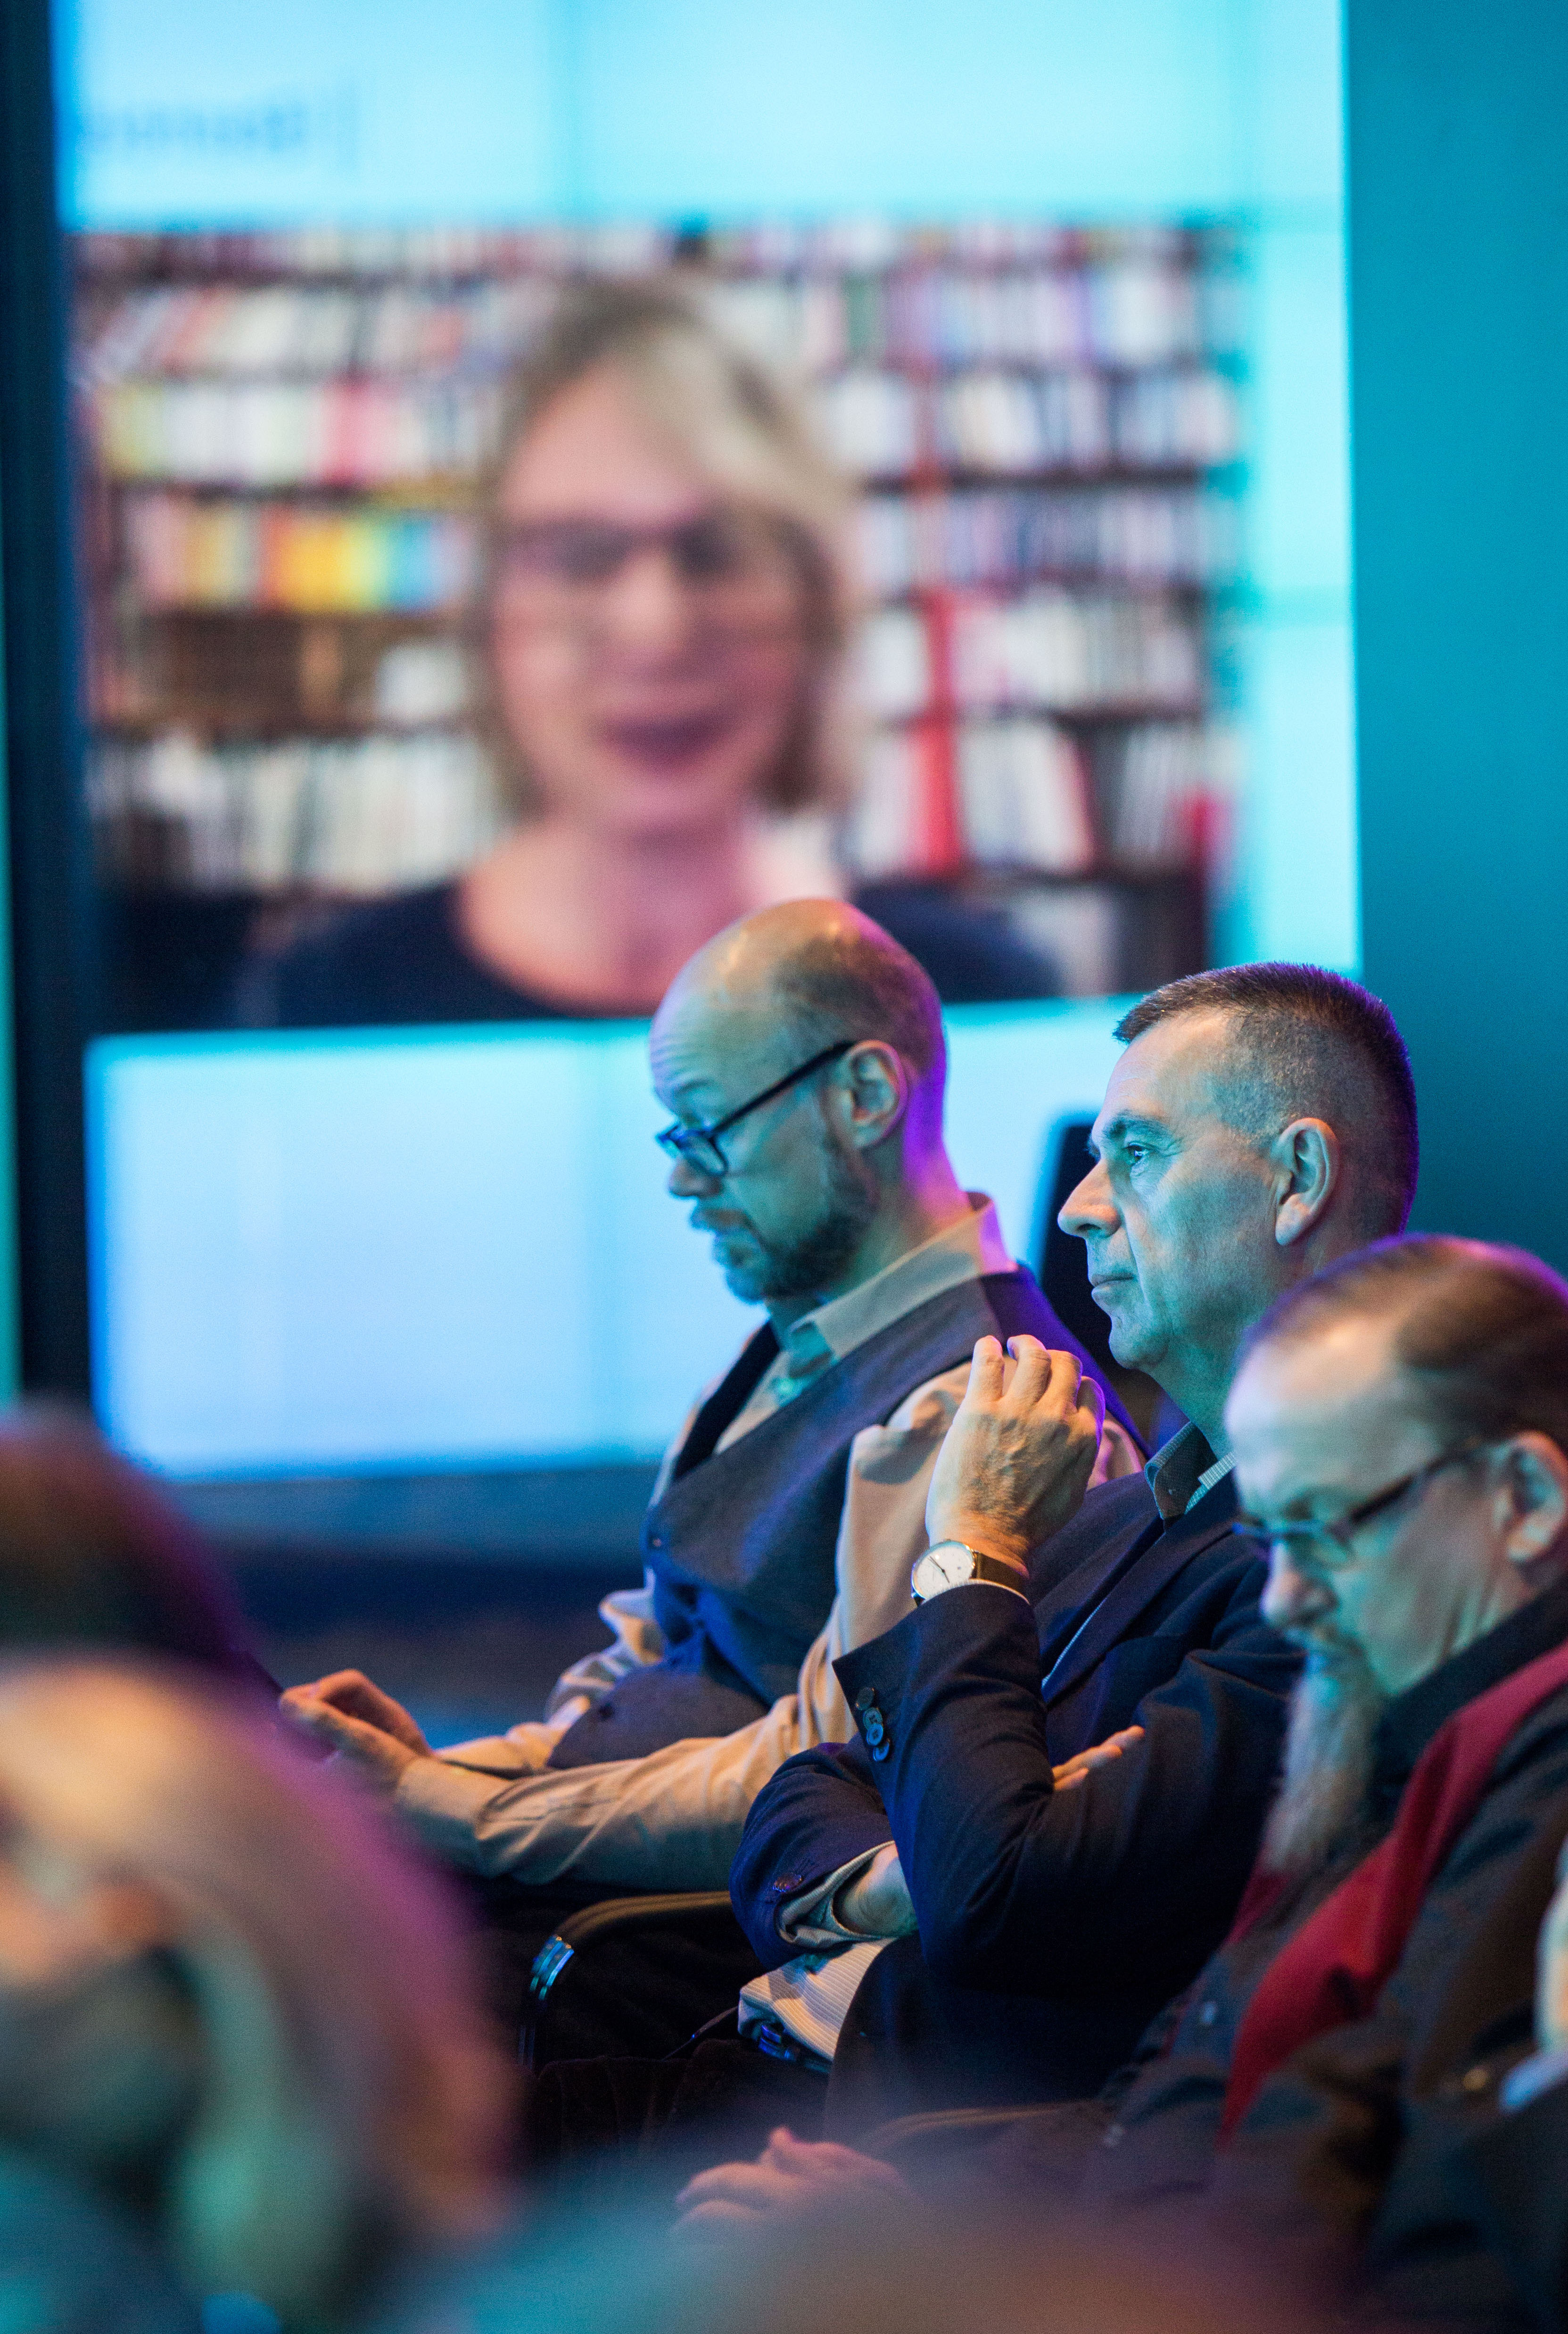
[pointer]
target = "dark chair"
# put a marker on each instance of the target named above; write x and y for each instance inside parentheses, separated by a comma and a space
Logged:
(1061, 1262)
(1061, 1269)
(578, 1956)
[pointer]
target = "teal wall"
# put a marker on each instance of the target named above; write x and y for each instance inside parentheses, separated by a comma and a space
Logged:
(1459, 274)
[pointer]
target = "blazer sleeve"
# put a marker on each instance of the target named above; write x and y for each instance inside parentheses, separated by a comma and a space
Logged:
(819, 1811)
(1134, 1874)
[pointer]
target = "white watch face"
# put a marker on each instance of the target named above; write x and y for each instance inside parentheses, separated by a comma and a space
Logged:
(946, 1565)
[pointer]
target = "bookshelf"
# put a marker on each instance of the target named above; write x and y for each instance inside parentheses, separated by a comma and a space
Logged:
(280, 435)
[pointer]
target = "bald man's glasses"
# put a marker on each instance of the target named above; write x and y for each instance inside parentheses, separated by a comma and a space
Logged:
(699, 1145)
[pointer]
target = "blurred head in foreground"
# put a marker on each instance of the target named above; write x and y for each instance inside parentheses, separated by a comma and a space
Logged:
(880, 2266)
(92, 1554)
(226, 2006)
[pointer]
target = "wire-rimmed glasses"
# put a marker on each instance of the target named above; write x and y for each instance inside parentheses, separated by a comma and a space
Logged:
(700, 1146)
(1338, 1532)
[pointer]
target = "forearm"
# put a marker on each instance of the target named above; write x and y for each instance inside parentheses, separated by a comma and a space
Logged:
(672, 1821)
(819, 1821)
(1015, 1885)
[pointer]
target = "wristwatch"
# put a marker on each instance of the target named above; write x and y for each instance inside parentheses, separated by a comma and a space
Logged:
(952, 1562)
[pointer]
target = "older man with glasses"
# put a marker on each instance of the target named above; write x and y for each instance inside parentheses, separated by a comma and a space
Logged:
(801, 1054)
(1349, 2084)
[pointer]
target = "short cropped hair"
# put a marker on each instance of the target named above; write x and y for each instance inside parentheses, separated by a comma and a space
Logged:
(1479, 1330)
(856, 981)
(1312, 1045)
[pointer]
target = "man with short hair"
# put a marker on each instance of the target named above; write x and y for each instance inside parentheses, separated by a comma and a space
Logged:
(1338, 2085)
(803, 1055)
(1260, 1123)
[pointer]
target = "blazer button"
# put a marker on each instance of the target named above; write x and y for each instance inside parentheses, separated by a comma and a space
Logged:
(871, 1726)
(654, 1539)
(879, 1750)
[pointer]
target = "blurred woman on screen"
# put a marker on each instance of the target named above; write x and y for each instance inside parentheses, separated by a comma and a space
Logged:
(237, 2051)
(659, 639)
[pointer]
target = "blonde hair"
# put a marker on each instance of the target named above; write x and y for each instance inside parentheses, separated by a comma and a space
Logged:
(743, 432)
(348, 2107)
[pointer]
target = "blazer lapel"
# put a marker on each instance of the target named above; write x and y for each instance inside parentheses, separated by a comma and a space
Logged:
(1142, 1575)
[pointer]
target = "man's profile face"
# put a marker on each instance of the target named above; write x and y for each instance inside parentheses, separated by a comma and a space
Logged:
(1177, 1211)
(1319, 1426)
(786, 1216)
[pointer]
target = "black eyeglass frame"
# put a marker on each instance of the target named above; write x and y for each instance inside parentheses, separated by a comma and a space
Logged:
(698, 1145)
(1342, 1531)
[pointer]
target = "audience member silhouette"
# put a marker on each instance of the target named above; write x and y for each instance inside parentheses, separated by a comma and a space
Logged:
(239, 2046)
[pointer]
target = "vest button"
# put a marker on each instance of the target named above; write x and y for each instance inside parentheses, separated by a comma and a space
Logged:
(654, 1539)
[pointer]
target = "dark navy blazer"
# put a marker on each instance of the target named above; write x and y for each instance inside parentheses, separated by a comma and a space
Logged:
(1095, 1904)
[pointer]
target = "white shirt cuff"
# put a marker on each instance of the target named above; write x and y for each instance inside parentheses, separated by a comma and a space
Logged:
(809, 1919)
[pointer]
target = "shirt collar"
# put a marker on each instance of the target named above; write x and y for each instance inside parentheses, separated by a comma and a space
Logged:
(1183, 1470)
(966, 1250)
(1411, 1718)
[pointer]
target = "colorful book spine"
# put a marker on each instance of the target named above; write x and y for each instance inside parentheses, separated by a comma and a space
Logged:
(190, 553)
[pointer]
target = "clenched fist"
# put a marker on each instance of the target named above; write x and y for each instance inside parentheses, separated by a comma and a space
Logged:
(1019, 1452)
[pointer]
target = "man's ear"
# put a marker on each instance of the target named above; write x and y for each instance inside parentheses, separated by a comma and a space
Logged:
(1534, 1496)
(1307, 1157)
(872, 1090)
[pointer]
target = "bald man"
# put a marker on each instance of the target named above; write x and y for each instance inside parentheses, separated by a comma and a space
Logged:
(802, 1055)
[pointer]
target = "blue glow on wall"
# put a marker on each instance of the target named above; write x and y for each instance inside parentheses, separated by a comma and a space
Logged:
(406, 1249)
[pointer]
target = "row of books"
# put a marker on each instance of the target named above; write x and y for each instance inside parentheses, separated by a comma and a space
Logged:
(1126, 315)
(383, 813)
(881, 424)
(862, 244)
(1164, 787)
(1019, 793)
(372, 814)
(189, 554)
(373, 431)
(313, 330)
(1048, 650)
(356, 433)
(1007, 536)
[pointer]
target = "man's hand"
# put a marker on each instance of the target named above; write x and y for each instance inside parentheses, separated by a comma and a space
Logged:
(349, 1715)
(789, 2175)
(1020, 1451)
(1083, 1764)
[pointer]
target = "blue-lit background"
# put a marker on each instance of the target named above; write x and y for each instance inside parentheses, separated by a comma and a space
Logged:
(346, 1253)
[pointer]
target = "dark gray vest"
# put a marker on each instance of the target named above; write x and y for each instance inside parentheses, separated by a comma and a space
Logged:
(742, 1544)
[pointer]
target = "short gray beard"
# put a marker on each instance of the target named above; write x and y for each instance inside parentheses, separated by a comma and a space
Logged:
(818, 1258)
(1328, 1761)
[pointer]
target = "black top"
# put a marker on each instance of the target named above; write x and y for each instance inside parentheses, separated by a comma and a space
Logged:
(404, 960)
